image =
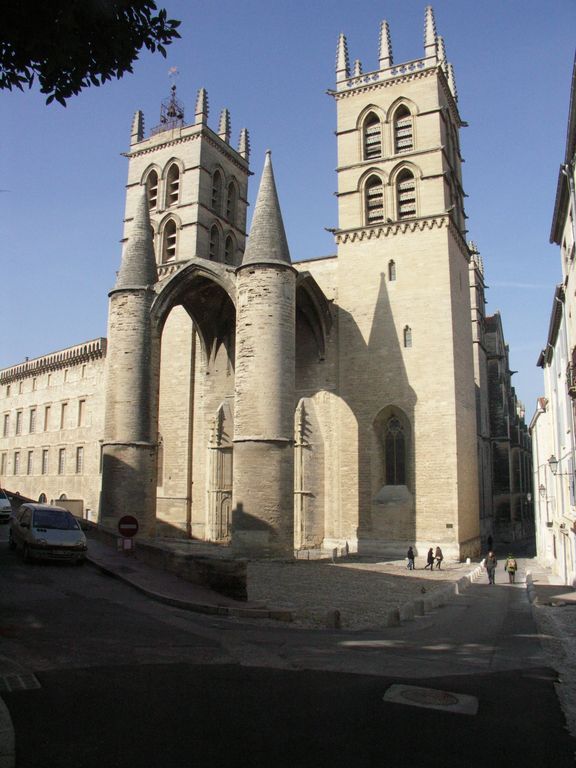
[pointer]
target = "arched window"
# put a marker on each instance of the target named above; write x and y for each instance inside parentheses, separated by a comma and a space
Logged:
(407, 336)
(374, 200)
(403, 130)
(394, 452)
(391, 270)
(173, 185)
(214, 244)
(229, 251)
(217, 192)
(372, 137)
(169, 242)
(42, 499)
(152, 190)
(406, 195)
(231, 202)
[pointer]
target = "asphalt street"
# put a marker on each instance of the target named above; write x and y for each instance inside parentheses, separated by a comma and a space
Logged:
(111, 678)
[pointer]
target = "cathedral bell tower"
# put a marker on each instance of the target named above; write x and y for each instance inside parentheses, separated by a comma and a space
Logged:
(403, 291)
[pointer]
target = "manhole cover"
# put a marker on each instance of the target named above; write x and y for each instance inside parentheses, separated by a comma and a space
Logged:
(429, 698)
(425, 696)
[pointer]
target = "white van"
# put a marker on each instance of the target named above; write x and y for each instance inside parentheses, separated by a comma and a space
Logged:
(5, 507)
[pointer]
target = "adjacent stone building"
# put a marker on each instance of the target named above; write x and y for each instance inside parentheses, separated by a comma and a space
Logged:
(338, 402)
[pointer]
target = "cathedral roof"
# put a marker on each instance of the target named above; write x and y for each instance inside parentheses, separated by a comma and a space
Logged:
(267, 241)
(138, 267)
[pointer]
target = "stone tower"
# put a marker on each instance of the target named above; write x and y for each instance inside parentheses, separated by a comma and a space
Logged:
(129, 443)
(406, 366)
(265, 378)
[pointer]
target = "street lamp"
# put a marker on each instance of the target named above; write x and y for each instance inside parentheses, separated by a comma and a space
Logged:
(542, 490)
(553, 464)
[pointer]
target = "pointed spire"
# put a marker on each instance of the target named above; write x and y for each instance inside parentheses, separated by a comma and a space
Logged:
(442, 60)
(357, 68)
(385, 54)
(138, 267)
(224, 126)
(452, 81)
(267, 240)
(342, 63)
(202, 107)
(137, 127)
(244, 144)
(430, 48)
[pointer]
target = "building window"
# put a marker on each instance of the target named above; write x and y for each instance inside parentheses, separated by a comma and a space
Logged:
(49, 379)
(8, 390)
(81, 412)
(406, 195)
(79, 460)
(65, 375)
(30, 463)
(3, 460)
(152, 190)
(18, 422)
(229, 251)
(32, 420)
(61, 461)
(34, 383)
(20, 388)
(6, 425)
(403, 132)
(46, 418)
(63, 412)
(395, 452)
(173, 185)
(83, 373)
(17, 463)
(217, 192)
(391, 271)
(169, 242)
(374, 194)
(214, 244)
(407, 336)
(231, 203)
(372, 137)
(45, 461)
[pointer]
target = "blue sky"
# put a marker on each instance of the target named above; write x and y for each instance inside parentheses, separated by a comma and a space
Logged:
(63, 174)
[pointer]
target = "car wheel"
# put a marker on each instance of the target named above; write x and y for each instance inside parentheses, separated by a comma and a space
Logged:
(11, 542)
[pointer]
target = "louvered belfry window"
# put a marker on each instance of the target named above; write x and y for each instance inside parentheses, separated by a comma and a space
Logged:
(406, 192)
(152, 190)
(173, 184)
(403, 131)
(372, 137)
(374, 200)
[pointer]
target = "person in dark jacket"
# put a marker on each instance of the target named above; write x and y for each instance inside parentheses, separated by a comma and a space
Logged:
(491, 564)
(511, 566)
(438, 557)
(430, 559)
(410, 556)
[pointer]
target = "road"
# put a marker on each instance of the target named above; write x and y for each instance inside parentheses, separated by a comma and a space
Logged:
(111, 678)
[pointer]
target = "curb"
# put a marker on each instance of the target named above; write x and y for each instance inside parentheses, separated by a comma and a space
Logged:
(277, 614)
(531, 589)
(422, 605)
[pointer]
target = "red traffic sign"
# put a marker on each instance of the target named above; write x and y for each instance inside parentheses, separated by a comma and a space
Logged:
(128, 525)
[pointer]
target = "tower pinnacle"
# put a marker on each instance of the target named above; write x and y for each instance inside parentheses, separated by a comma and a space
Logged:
(267, 241)
(430, 42)
(202, 106)
(224, 126)
(385, 54)
(342, 63)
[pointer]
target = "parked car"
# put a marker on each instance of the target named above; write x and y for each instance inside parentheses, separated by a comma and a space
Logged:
(47, 533)
(5, 507)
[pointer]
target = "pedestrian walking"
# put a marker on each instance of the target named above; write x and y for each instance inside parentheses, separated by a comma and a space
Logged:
(430, 559)
(511, 566)
(491, 564)
(438, 556)
(410, 556)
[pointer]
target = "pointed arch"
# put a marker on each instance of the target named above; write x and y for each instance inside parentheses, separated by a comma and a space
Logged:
(229, 249)
(402, 121)
(151, 180)
(373, 199)
(173, 180)
(214, 245)
(232, 201)
(371, 136)
(169, 229)
(217, 187)
(393, 434)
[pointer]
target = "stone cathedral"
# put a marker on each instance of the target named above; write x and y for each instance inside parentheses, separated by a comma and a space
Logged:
(269, 405)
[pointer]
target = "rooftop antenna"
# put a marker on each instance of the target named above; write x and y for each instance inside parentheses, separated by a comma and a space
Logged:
(171, 109)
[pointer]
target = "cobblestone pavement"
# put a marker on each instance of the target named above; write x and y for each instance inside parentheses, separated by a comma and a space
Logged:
(363, 592)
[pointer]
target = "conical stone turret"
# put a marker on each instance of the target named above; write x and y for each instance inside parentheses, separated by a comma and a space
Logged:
(263, 493)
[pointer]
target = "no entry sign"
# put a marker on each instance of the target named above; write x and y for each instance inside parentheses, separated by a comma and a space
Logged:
(128, 526)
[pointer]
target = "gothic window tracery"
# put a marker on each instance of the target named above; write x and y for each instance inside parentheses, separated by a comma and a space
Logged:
(395, 452)
(403, 130)
(374, 200)
(372, 136)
